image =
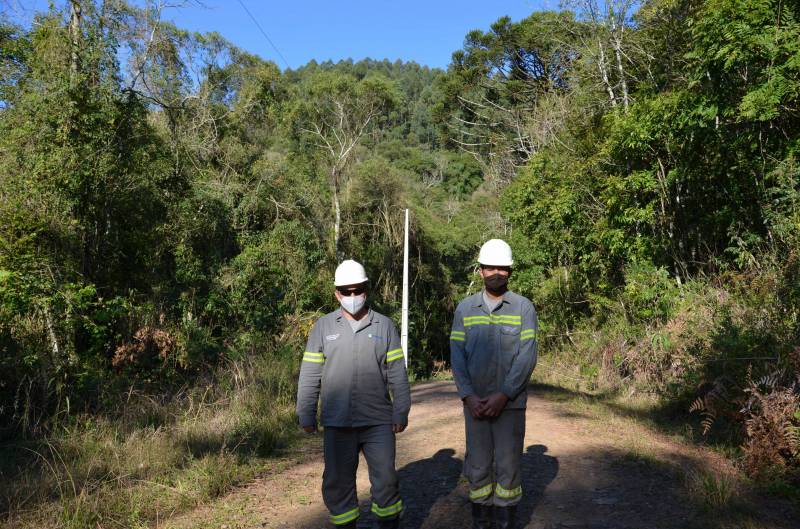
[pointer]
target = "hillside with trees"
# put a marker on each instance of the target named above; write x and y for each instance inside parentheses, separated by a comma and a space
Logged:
(172, 209)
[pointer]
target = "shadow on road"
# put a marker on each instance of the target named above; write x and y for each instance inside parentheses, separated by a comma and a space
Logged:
(538, 471)
(431, 491)
(423, 483)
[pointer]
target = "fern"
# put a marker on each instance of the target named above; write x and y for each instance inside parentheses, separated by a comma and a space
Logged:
(709, 406)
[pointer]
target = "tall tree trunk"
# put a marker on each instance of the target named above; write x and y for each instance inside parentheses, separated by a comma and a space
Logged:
(53, 360)
(51, 334)
(75, 37)
(623, 82)
(661, 174)
(616, 42)
(337, 211)
(601, 64)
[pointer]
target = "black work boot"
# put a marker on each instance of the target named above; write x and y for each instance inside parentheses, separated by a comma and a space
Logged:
(394, 523)
(481, 516)
(348, 525)
(505, 517)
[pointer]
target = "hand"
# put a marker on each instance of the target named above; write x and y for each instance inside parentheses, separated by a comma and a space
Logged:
(493, 404)
(310, 429)
(475, 406)
(397, 428)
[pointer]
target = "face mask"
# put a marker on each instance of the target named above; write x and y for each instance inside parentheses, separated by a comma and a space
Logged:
(353, 304)
(496, 282)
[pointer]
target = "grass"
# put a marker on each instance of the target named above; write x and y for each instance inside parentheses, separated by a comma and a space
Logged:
(152, 459)
(714, 492)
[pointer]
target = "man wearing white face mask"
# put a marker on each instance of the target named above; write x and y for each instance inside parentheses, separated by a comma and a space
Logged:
(353, 358)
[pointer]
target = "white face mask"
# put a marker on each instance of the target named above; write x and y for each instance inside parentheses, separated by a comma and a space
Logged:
(353, 304)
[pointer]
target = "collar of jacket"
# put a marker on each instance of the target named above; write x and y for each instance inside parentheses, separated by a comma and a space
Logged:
(340, 318)
(478, 299)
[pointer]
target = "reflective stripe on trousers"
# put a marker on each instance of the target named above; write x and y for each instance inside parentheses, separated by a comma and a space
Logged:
(345, 517)
(389, 511)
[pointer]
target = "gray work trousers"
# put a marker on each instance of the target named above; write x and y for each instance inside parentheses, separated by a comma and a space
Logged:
(493, 459)
(341, 449)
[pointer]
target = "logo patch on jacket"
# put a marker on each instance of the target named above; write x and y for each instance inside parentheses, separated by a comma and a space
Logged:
(509, 330)
(375, 337)
(332, 337)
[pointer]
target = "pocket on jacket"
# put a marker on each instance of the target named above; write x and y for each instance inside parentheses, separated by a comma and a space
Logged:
(510, 329)
(509, 338)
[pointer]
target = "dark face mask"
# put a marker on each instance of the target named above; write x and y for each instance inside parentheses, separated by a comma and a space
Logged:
(496, 282)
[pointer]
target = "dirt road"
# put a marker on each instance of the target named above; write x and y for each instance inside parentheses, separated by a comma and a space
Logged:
(582, 470)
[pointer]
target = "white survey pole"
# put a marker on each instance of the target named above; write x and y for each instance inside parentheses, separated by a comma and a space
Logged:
(404, 317)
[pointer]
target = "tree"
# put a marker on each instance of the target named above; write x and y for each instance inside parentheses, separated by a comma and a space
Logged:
(605, 32)
(335, 112)
(84, 181)
(501, 98)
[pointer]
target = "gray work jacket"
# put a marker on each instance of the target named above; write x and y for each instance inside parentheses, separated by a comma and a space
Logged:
(491, 352)
(361, 374)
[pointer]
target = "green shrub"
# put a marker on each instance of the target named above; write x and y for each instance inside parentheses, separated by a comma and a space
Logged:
(278, 273)
(649, 294)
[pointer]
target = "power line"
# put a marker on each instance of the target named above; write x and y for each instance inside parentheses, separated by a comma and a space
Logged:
(264, 33)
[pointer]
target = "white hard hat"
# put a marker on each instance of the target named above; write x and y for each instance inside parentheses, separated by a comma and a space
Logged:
(495, 252)
(349, 273)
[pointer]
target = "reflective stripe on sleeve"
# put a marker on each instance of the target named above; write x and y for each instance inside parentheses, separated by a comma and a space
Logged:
(391, 510)
(394, 354)
(345, 517)
(527, 334)
(481, 492)
(314, 358)
(457, 336)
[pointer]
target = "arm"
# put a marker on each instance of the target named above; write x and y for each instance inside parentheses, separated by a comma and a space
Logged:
(310, 379)
(458, 357)
(520, 372)
(398, 381)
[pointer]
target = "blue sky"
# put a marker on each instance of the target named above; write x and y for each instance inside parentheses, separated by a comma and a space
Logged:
(425, 31)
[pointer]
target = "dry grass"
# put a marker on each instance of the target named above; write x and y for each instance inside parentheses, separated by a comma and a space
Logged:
(154, 459)
(714, 490)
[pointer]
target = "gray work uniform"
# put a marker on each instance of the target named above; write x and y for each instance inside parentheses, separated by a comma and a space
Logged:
(494, 352)
(364, 388)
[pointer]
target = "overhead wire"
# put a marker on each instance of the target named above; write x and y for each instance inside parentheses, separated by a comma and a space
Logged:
(274, 47)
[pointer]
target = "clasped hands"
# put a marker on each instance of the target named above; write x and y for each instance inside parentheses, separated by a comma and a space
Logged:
(487, 407)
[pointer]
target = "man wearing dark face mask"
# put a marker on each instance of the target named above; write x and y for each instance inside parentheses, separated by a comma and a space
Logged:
(353, 358)
(493, 352)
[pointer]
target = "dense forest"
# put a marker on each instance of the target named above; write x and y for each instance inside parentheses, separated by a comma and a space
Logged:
(172, 209)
